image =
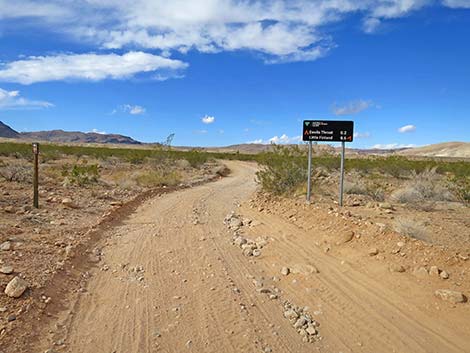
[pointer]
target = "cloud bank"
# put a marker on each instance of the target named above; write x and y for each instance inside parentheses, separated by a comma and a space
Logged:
(93, 67)
(280, 30)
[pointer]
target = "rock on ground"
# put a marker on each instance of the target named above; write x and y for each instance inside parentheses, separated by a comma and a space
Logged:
(450, 295)
(397, 268)
(16, 287)
(344, 237)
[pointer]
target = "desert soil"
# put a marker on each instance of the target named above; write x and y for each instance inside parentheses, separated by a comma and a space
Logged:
(168, 278)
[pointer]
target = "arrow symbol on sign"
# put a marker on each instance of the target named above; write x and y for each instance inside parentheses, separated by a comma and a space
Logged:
(307, 123)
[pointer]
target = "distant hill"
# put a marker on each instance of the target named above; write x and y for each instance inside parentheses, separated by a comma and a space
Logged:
(446, 149)
(8, 132)
(66, 136)
(77, 137)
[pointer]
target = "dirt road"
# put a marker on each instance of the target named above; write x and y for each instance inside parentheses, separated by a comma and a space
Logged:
(171, 281)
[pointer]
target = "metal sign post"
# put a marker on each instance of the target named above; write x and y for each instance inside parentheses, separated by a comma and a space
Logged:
(341, 178)
(327, 131)
(309, 183)
(36, 175)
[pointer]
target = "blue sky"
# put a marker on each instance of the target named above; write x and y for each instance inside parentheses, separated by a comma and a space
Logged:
(221, 72)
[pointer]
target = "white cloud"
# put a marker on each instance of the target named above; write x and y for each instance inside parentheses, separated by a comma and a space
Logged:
(96, 131)
(281, 30)
(352, 108)
(256, 142)
(391, 146)
(457, 4)
(370, 24)
(200, 132)
(93, 67)
(283, 139)
(25, 8)
(407, 128)
(362, 135)
(13, 100)
(133, 109)
(208, 119)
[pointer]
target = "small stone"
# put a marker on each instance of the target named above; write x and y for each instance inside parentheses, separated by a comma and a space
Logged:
(463, 257)
(311, 330)
(291, 315)
(434, 271)
(11, 318)
(386, 206)
(264, 290)
(68, 202)
(239, 241)
(450, 296)
(285, 271)
(344, 237)
(373, 251)
(256, 252)
(400, 244)
(16, 287)
(421, 272)
(5, 246)
(6, 270)
(235, 223)
(444, 275)
(189, 343)
(300, 322)
(248, 251)
(396, 268)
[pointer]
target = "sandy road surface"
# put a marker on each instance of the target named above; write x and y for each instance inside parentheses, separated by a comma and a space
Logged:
(170, 272)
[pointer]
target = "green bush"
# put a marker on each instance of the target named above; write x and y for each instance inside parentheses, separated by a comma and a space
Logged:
(283, 170)
(81, 174)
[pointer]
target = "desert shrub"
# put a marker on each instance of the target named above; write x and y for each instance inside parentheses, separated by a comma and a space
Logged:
(423, 188)
(410, 228)
(196, 158)
(460, 186)
(356, 187)
(360, 188)
(16, 172)
(158, 178)
(82, 174)
(283, 170)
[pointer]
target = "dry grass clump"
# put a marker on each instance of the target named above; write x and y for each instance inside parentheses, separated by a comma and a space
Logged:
(423, 188)
(20, 173)
(411, 229)
(154, 178)
(360, 188)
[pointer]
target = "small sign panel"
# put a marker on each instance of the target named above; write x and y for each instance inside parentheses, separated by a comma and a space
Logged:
(36, 148)
(328, 130)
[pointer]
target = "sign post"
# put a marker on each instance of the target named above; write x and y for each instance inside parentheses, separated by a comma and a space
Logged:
(341, 180)
(327, 131)
(309, 182)
(36, 174)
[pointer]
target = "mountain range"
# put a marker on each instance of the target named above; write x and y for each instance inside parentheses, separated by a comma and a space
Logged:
(66, 136)
(446, 149)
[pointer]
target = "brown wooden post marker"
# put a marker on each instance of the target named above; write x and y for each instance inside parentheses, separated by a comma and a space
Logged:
(36, 174)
